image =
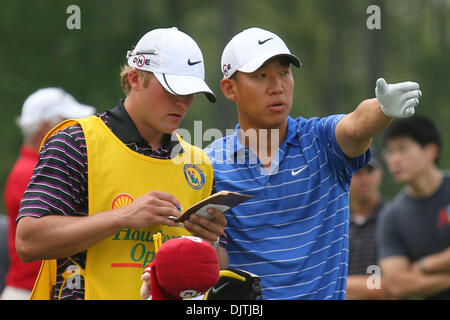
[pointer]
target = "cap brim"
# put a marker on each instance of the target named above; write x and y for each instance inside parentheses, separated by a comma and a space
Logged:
(183, 85)
(258, 61)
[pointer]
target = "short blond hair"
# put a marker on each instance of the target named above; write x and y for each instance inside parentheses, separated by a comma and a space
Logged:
(144, 75)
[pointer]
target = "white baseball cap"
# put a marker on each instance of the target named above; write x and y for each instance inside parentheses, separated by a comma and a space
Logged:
(174, 58)
(48, 103)
(249, 49)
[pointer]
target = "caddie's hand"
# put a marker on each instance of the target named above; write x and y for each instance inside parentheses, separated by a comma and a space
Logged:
(154, 207)
(209, 230)
(398, 100)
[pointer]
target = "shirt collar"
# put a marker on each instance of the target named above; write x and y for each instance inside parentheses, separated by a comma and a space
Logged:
(292, 132)
(122, 125)
(234, 145)
(124, 128)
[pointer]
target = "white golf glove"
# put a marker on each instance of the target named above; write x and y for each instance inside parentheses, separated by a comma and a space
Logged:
(398, 100)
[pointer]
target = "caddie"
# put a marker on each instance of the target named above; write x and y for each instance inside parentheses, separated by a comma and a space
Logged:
(104, 184)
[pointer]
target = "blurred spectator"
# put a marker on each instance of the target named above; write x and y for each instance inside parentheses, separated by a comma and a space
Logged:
(41, 111)
(4, 259)
(365, 205)
(414, 229)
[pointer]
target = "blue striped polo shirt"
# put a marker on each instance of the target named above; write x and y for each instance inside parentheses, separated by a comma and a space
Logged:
(294, 232)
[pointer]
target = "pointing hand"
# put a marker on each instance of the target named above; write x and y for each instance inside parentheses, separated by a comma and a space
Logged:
(398, 100)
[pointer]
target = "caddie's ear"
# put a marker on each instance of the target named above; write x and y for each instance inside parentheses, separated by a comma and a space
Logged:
(228, 87)
(133, 79)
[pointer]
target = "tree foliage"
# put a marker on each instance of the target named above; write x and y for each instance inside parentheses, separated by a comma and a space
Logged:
(341, 57)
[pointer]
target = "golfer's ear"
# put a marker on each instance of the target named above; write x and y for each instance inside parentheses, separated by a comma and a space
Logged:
(228, 87)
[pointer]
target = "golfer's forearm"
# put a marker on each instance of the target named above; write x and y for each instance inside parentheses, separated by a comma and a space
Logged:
(369, 119)
(355, 131)
(53, 237)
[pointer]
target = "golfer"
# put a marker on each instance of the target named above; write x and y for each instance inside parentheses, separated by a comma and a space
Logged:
(294, 233)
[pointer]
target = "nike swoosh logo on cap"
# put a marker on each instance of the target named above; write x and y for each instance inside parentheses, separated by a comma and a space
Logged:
(193, 63)
(294, 173)
(264, 41)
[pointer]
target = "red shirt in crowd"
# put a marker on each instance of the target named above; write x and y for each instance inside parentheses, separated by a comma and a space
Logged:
(20, 275)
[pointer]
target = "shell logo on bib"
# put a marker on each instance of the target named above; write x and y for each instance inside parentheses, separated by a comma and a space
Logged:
(121, 200)
(194, 176)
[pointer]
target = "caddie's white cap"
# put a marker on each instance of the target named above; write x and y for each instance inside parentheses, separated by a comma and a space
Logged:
(49, 103)
(174, 58)
(249, 49)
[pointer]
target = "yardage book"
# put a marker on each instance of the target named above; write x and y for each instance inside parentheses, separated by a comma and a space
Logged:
(222, 201)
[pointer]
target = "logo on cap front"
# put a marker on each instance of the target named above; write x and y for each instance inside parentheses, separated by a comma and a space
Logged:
(194, 176)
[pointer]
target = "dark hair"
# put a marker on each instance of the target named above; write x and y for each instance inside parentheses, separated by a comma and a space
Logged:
(418, 128)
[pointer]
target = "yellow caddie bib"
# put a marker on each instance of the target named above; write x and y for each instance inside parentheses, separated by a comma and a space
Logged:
(116, 177)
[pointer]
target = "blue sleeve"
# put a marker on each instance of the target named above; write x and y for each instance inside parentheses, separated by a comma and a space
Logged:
(325, 131)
